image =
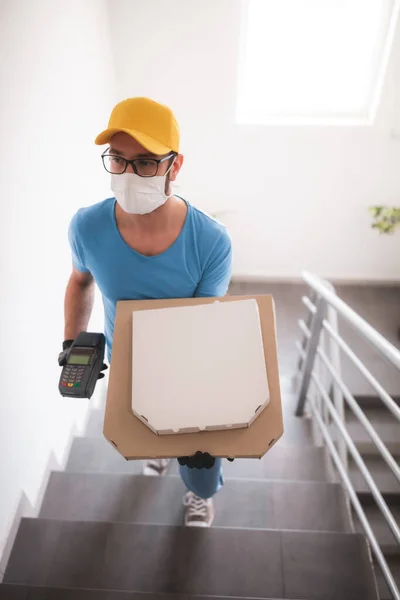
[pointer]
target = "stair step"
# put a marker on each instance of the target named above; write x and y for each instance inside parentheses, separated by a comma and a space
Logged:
(382, 475)
(394, 566)
(23, 592)
(294, 463)
(97, 455)
(387, 427)
(380, 527)
(373, 401)
(241, 503)
(94, 427)
(208, 562)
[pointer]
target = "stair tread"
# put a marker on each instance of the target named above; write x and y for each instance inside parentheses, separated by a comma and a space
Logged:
(23, 592)
(258, 503)
(385, 425)
(380, 527)
(97, 455)
(383, 422)
(394, 566)
(380, 472)
(373, 401)
(207, 562)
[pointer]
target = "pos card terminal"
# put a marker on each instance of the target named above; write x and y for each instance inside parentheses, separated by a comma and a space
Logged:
(84, 363)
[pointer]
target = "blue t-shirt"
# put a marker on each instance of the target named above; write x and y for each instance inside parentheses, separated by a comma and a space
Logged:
(198, 263)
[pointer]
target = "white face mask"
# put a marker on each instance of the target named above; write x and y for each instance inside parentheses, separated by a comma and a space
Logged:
(139, 195)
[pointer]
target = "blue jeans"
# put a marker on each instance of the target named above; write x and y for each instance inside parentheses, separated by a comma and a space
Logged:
(204, 482)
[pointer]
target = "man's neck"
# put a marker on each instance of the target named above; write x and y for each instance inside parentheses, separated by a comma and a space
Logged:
(169, 215)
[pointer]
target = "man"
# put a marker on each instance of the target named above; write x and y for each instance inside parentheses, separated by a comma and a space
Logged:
(146, 243)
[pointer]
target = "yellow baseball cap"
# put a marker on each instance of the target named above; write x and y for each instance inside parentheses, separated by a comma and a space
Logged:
(152, 124)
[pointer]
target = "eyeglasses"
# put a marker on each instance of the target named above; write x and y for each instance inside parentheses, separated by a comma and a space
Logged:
(144, 167)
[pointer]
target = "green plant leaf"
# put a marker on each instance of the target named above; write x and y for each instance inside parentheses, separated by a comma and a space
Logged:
(386, 219)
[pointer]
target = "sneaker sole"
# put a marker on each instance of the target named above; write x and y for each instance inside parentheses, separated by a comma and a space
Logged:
(153, 472)
(198, 524)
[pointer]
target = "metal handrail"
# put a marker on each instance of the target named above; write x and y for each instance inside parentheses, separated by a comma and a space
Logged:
(324, 306)
(382, 393)
(390, 352)
(387, 457)
(304, 328)
(351, 401)
(391, 521)
(310, 316)
(308, 304)
(357, 507)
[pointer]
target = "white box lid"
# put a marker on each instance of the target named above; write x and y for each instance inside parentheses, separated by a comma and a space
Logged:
(198, 367)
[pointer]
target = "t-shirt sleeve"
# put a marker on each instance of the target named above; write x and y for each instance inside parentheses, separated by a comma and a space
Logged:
(75, 242)
(218, 269)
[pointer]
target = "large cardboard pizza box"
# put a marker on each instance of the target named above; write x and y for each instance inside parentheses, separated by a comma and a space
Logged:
(190, 375)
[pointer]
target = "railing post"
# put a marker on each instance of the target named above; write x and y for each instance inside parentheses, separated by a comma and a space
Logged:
(337, 396)
(334, 353)
(323, 375)
(315, 398)
(311, 351)
(308, 321)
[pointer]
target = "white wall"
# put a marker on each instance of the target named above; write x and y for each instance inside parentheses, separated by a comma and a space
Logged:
(57, 91)
(300, 195)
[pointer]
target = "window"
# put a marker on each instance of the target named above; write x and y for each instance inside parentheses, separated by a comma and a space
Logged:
(314, 61)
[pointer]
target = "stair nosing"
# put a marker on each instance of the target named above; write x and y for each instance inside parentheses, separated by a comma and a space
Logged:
(112, 590)
(224, 527)
(175, 476)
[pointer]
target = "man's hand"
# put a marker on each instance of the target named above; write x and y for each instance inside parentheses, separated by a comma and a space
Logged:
(200, 460)
(63, 356)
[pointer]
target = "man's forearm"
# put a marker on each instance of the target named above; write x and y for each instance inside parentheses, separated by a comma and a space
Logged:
(78, 307)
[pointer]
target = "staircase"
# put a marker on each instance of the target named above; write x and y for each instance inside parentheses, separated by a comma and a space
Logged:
(283, 527)
(282, 530)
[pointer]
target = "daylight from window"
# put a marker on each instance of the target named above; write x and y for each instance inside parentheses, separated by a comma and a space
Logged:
(313, 61)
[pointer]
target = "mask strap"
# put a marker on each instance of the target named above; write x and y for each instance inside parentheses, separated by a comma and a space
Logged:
(170, 167)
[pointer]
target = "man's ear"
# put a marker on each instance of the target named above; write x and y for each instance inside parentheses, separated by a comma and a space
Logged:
(176, 167)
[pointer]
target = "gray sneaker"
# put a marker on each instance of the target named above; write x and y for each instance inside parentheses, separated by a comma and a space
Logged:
(199, 512)
(156, 467)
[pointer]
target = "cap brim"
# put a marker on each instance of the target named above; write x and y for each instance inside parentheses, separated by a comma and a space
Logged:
(144, 140)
